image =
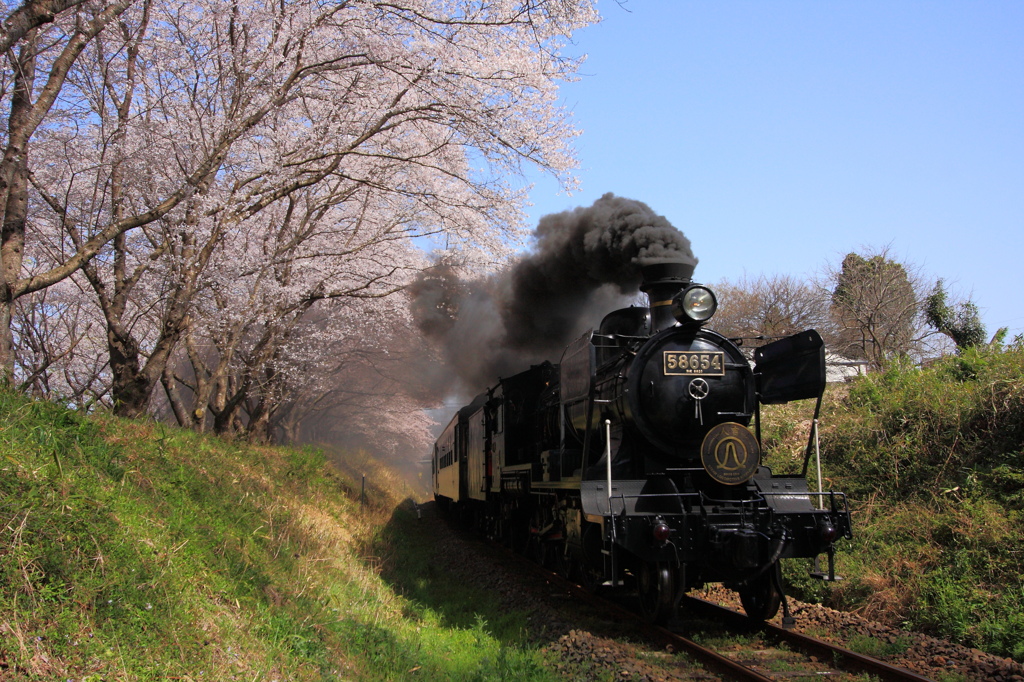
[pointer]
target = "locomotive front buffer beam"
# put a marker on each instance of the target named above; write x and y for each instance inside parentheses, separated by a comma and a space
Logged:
(727, 541)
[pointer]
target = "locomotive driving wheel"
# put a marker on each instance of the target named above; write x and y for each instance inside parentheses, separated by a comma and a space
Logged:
(561, 562)
(656, 585)
(591, 579)
(761, 598)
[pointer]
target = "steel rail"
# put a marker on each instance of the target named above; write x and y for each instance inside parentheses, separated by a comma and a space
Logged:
(811, 645)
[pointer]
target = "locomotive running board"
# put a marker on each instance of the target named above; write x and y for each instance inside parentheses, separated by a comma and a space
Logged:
(595, 499)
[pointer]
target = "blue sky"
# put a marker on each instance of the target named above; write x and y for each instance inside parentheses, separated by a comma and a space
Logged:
(779, 136)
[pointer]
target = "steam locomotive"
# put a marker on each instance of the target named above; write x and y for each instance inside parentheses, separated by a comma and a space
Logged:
(636, 460)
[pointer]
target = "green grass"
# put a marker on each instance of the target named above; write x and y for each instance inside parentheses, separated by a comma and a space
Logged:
(133, 551)
(878, 648)
(933, 460)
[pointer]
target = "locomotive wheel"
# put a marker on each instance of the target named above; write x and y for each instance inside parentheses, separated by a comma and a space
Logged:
(761, 599)
(542, 551)
(656, 585)
(561, 562)
(521, 539)
(516, 530)
(591, 579)
(535, 549)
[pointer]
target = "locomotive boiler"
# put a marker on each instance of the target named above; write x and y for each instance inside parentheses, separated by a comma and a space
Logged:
(636, 461)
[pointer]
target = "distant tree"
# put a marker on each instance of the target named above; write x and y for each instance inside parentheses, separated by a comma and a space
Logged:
(770, 307)
(959, 321)
(877, 307)
(353, 391)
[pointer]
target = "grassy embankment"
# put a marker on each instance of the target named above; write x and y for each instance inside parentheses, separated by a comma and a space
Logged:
(132, 551)
(933, 460)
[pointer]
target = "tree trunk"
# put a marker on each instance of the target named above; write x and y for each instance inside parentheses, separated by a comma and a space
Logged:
(129, 389)
(258, 430)
(177, 403)
(14, 193)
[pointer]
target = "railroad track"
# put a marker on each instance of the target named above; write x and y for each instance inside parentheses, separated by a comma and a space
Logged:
(776, 648)
(819, 649)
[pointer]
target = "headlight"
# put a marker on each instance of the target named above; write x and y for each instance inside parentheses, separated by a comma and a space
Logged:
(696, 304)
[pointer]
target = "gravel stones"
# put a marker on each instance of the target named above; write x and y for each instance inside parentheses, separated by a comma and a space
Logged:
(914, 651)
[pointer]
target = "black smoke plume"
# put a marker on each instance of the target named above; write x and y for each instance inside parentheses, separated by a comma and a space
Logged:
(585, 263)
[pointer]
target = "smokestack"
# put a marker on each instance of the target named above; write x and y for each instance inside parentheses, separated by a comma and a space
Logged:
(661, 281)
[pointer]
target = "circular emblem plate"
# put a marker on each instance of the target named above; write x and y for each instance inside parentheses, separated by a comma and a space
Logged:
(730, 454)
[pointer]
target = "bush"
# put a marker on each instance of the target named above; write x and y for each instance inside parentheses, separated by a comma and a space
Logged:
(914, 433)
(933, 461)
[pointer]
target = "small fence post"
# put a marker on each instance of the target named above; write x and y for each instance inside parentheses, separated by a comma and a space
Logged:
(362, 492)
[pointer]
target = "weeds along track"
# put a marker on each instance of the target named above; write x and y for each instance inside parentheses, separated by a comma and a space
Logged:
(815, 649)
(762, 653)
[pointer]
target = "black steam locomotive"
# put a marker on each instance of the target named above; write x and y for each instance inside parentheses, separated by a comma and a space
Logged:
(633, 461)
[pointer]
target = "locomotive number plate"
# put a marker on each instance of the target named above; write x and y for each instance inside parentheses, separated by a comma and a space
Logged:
(694, 363)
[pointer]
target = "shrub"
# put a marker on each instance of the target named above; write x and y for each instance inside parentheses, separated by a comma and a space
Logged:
(933, 461)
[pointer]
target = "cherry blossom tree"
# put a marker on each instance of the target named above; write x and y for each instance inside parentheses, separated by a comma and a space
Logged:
(163, 131)
(361, 387)
(352, 357)
(261, 290)
(38, 61)
(60, 354)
